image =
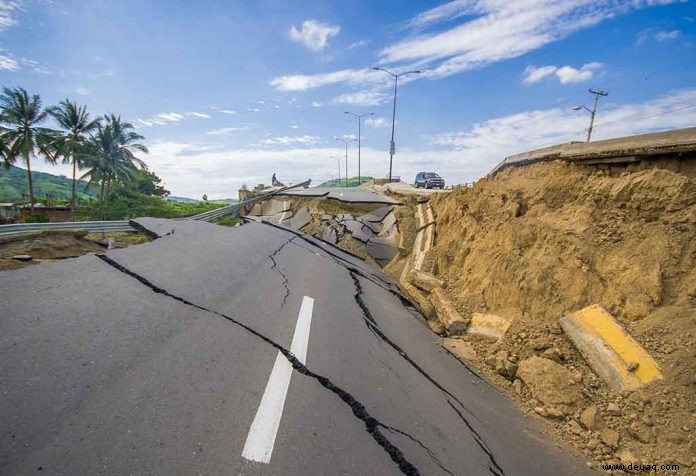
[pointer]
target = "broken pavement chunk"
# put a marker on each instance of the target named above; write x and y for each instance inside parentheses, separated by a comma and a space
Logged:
(299, 220)
(329, 234)
(609, 349)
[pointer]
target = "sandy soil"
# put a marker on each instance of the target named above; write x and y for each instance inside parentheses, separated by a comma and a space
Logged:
(538, 242)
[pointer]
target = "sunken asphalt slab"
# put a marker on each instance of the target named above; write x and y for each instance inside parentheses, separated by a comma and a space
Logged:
(154, 359)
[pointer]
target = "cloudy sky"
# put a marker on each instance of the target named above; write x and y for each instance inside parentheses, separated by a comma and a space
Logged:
(229, 92)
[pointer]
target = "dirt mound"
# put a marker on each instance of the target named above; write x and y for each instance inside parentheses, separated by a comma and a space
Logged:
(538, 242)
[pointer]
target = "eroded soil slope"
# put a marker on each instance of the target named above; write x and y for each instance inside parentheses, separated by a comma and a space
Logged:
(538, 242)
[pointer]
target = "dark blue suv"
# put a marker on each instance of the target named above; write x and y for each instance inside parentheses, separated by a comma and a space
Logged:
(429, 180)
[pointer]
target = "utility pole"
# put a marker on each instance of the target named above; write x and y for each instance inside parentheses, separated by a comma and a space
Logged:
(359, 136)
(392, 146)
(346, 142)
(593, 112)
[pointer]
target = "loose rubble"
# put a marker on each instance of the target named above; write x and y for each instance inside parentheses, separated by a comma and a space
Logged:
(535, 244)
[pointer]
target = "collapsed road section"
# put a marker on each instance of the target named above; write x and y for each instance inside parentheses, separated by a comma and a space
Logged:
(159, 359)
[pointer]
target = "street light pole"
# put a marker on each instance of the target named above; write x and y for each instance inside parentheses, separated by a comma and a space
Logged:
(339, 167)
(359, 136)
(392, 146)
(593, 112)
(346, 142)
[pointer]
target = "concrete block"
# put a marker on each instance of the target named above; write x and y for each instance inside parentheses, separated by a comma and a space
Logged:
(453, 321)
(611, 352)
(425, 281)
(489, 325)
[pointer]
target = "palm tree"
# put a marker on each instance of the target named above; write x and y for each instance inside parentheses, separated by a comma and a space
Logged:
(75, 121)
(109, 155)
(20, 135)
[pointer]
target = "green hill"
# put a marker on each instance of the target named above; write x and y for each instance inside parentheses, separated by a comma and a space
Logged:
(352, 182)
(225, 201)
(13, 183)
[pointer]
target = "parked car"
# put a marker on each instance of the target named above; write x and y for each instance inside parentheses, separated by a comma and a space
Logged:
(429, 180)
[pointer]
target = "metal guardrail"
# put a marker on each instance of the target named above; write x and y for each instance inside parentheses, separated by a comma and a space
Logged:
(234, 209)
(18, 229)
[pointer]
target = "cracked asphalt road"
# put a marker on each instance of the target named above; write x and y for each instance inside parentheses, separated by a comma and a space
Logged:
(154, 359)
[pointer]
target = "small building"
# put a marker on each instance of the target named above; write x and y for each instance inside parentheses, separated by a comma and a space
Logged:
(8, 212)
(54, 213)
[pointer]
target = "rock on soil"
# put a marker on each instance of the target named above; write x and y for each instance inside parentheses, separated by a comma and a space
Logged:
(551, 384)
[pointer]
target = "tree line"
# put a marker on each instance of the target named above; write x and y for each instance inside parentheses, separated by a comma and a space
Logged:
(103, 147)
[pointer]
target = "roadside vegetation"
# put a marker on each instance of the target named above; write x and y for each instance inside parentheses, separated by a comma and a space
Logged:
(352, 182)
(109, 180)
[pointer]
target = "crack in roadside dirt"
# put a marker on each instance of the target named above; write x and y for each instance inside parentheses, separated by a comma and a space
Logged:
(372, 425)
(275, 268)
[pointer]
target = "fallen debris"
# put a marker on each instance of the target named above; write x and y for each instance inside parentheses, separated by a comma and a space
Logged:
(617, 358)
(551, 384)
(488, 325)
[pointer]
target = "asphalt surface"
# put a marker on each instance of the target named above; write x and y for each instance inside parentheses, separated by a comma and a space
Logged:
(155, 359)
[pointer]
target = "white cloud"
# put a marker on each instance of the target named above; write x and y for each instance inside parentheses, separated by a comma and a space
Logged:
(357, 44)
(225, 131)
(294, 126)
(165, 118)
(657, 35)
(82, 91)
(377, 122)
(488, 142)
(533, 74)
(8, 64)
(7, 10)
(500, 30)
(35, 66)
(362, 98)
(565, 74)
(667, 35)
(291, 140)
(314, 34)
(169, 116)
(488, 31)
(198, 115)
(253, 109)
(316, 104)
(303, 82)
(228, 111)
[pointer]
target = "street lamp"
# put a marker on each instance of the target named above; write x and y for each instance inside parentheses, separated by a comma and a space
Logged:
(359, 135)
(392, 146)
(339, 167)
(346, 142)
(597, 93)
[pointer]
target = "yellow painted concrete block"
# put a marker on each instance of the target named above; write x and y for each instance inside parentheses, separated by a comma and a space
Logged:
(611, 352)
(489, 325)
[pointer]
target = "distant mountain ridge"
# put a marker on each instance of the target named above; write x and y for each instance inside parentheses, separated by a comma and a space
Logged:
(13, 183)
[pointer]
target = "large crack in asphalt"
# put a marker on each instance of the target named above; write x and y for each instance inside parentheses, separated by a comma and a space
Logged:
(494, 467)
(372, 425)
(420, 443)
(274, 267)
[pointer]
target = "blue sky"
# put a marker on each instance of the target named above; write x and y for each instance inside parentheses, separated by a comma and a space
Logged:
(229, 92)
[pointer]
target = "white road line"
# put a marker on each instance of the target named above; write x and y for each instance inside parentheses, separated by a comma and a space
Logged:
(262, 434)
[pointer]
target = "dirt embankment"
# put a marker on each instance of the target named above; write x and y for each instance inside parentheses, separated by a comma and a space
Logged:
(51, 246)
(536, 243)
